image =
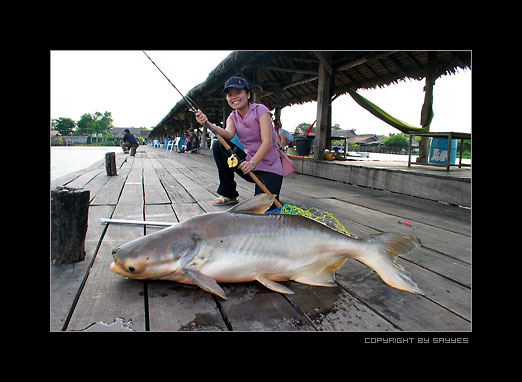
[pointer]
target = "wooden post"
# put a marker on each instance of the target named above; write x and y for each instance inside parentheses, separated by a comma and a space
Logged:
(110, 163)
(69, 212)
(426, 116)
(277, 106)
(323, 100)
(427, 107)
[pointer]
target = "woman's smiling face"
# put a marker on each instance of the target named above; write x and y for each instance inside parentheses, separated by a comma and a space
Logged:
(237, 98)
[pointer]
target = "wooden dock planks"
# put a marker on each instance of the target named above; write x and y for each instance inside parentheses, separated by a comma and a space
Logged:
(165, 186)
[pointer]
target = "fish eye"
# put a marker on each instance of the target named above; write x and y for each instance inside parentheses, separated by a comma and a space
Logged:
(131, 269)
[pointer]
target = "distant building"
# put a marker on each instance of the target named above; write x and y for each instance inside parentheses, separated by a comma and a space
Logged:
(365, 139)
(74, 139)
(343, 134)
(350, 136)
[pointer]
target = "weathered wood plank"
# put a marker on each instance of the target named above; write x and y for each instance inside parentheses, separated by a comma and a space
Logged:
(185, 211)
(154, 192)
(85, 178)
(68, 178)
(252, 307)
(111, 190)
(106, 295)
(405, 310)
(95, 184)
(178, 307)
(197, 191)
(333, 309)
(176, 192)
(66, 279)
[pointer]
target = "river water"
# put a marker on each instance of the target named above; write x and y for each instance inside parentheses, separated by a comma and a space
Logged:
(67, 159)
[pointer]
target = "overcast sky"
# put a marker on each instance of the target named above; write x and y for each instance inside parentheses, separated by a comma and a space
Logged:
(134, 91)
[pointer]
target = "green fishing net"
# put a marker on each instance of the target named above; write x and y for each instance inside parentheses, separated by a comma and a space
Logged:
(316, 214)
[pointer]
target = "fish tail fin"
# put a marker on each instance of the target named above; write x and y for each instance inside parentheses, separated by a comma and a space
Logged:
(382, 252)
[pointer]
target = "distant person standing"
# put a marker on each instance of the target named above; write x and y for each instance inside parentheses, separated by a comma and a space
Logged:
(128, 141)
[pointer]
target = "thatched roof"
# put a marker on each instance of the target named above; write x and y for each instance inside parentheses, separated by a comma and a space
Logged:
(292, 76)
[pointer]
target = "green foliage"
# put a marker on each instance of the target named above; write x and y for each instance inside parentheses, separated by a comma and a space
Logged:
(64, 125)
(96, 123)
(396, 140)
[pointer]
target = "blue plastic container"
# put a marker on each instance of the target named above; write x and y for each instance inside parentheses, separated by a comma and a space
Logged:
(439, 151)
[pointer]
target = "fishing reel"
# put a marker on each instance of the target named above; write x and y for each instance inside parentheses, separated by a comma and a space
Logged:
(232, 161)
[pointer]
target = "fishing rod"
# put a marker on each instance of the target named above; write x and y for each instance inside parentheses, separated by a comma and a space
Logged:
(233, 160)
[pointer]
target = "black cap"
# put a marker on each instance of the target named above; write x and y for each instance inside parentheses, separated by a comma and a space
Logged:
(236, 82)
(126, 131)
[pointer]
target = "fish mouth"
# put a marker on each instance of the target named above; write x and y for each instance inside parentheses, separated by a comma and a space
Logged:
(113, 266)
(117, 268)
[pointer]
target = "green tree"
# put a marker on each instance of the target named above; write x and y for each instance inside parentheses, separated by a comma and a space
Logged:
(64, 125)
(104, 123)
(96, 123)
(395, 140)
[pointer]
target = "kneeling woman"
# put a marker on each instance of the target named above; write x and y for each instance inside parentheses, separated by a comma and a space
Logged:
(253, 124)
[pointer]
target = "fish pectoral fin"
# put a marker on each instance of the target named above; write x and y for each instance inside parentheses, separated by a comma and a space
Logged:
(276, 287)
(204, 282)
(258, 205)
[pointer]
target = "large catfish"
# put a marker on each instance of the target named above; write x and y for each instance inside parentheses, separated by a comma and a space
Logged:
(243, 244)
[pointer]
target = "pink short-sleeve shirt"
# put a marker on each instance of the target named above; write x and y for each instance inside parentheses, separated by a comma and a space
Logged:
(249, 134)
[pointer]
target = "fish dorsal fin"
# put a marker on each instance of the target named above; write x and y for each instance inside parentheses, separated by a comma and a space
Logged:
(257, 205)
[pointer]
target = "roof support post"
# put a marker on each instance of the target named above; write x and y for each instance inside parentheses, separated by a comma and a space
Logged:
(323, 110)
(427, 108)
(277, 108)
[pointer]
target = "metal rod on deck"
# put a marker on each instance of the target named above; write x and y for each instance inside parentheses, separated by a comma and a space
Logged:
(135, 222)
